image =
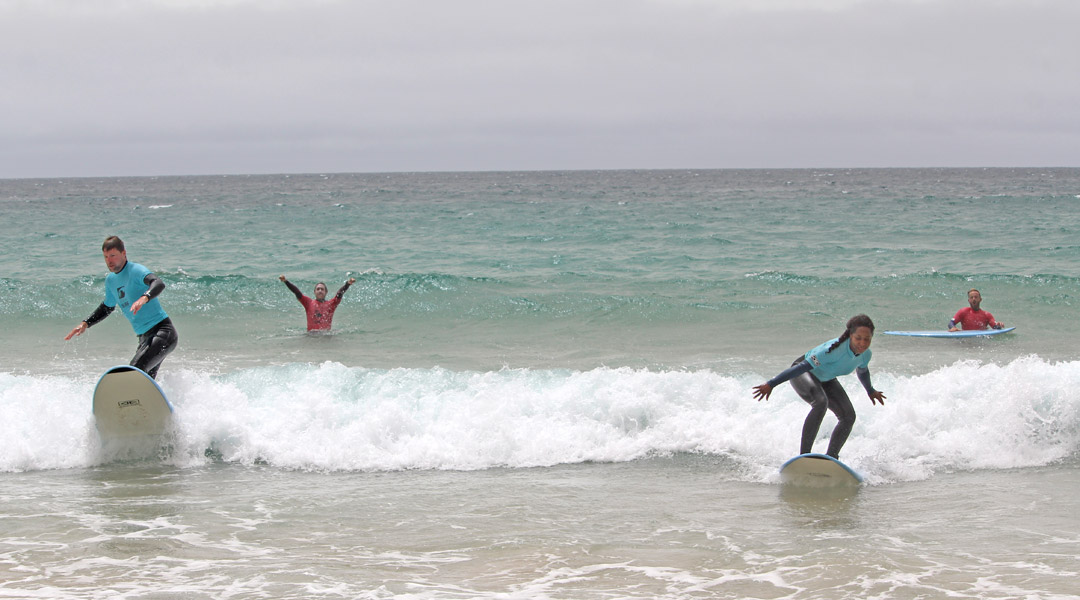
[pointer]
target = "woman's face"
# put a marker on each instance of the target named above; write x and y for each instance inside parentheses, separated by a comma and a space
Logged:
(860, 339)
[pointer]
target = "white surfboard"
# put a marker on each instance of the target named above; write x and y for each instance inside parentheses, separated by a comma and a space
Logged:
(818, 470)
(129, 403)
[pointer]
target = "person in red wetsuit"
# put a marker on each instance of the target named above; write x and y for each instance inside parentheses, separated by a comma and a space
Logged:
(320, 311)
(972, 317)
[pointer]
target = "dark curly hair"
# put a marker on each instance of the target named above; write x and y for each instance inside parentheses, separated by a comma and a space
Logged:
(853, 323)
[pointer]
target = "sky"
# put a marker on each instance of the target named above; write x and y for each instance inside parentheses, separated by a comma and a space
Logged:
(173, 87)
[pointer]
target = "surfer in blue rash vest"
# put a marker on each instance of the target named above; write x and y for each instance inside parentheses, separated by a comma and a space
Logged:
(135, 289)
(813, 376)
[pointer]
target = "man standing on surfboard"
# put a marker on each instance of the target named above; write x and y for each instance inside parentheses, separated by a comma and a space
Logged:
(135, 289)
(972, 317)
(320, 311)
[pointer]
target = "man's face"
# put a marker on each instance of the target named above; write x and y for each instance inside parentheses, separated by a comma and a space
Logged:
(320, 292)
(974, 299)
(115, 260)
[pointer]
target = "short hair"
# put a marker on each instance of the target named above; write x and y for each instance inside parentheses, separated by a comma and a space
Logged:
(113, 243)
(974, 290)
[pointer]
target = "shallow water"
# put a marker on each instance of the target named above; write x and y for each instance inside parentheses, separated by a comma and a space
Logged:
(677, 527)
(540, 386)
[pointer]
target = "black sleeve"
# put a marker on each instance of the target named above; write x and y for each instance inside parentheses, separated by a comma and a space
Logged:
(156, 285)
(99, 313)
(791, 373)
(341, 292)
(294, 289)
(864, 378)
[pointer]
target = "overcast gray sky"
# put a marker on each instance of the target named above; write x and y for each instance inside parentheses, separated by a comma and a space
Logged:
(161, 87)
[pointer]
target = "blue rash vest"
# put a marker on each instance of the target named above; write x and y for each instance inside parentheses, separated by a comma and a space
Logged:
(830, 365)
(125, 287)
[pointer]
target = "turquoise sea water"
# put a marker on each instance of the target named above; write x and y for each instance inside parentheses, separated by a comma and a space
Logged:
(527, 340)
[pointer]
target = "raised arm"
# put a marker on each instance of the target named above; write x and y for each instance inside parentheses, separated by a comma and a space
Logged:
(292, 288)
(341, 292)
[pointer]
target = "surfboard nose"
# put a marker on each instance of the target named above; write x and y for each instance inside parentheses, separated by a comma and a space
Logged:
(127, 402)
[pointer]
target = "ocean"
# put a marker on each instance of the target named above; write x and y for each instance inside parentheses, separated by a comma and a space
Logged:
(540, 386)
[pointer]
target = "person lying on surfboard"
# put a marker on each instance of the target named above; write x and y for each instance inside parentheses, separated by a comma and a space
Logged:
(134, 289)
(320, 311)
(972, 317)
(813, 376)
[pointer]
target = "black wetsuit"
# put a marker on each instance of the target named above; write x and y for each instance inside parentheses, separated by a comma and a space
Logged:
(154, 346)
(822, 396)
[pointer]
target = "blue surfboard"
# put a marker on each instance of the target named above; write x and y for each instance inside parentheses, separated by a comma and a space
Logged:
(818, 470)
(941, 333)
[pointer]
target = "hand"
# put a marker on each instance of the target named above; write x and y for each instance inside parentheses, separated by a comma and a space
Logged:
(761, 392)
(877, 398)
(352, 280)
(79, 329)
(281, 277)
(138, 304)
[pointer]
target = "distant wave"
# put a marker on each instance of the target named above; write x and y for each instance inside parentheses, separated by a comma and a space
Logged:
(565, 294)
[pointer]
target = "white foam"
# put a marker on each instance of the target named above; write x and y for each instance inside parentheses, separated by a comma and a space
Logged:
(330, 417)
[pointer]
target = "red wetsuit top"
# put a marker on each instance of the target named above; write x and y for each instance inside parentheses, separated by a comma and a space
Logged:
(970, 319)
(319, 314)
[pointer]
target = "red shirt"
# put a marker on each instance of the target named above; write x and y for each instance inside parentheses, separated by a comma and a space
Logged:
(970, 319)
(319, 314)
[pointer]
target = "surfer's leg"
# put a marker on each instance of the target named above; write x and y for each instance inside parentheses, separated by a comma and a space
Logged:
(809, 388)
(154, 346)
(840, 405)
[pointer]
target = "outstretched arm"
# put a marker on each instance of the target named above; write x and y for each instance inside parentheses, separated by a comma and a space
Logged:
(341, 292)
(762, 391)
(99, 313)
(292, 288)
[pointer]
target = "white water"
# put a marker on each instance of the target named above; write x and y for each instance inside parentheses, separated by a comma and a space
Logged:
(330, 417)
